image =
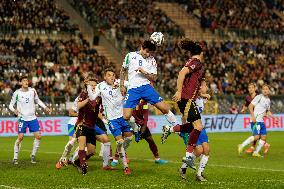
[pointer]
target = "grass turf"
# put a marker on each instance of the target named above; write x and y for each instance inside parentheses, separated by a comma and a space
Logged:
(225, 168)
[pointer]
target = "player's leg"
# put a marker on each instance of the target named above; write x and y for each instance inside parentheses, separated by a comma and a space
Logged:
(262, 140)
(249, 140)
(126, 133)
(103, 138)
(35, 128)
(203, 162)
(17, 147)
(131, 100)
(22, 127)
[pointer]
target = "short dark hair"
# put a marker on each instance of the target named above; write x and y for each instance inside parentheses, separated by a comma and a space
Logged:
(252, 83)
(147, 44)
(108, 70)
(191, 46)
(23, 77)
(91, 77)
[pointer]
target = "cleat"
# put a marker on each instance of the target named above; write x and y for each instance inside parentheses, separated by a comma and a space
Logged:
(240, 149)
(250, 150)
(84, 169)
(200, 178)
(33, 159)
(15, 161)
(58, 165)
(109, 168)
(182, 173)
(166, 133)
(254, 154)
(76, 164)
(127, 171)
(190, 162)
(114, 163)
(266, 148)
(161, 161)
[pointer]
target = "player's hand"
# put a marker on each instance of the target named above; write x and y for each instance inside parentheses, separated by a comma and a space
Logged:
(123, 90)
(47, 109)
(207, 96)
(141, 70)
(16, 112)
(177, 96)
(253, 119)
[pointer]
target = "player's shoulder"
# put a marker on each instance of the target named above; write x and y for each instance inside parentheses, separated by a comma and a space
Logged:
(192, 63)
(101, 85)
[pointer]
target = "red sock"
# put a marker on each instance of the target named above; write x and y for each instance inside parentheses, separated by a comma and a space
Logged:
(82, 157)
(153, 147)
(193, 137)
(254, 143)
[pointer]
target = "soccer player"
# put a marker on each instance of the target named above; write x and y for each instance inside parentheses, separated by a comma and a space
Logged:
(142, 70)
(259, 107)
(141, 114)
(25, 99)
(252, 93)
(202, 145)
(73, 113)
(188, 84)
(112, 101)
(85, 125)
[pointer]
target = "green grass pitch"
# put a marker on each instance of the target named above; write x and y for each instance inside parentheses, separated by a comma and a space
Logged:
(225, 168)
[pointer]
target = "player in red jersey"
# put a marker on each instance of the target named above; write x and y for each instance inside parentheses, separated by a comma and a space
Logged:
(252, 93)
(141, 114)
(188, 84)
(85, 125)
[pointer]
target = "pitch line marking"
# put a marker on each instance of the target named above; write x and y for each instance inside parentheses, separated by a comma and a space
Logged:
(11, 187)
(177, 162)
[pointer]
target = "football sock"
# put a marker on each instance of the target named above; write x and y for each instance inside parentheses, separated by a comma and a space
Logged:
(194, 135)
(259, 146)
(171, 118)
(35, 146)
(17, 148)
(202, 164)
(247, 141)
(106, 153)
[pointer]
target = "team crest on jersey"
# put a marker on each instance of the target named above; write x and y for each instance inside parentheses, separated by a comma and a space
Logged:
(192, 66)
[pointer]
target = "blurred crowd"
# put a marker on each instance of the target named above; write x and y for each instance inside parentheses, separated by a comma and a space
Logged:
(126, 18)
(237, 14)
(230, 65)
(32, 14)
(55, 66)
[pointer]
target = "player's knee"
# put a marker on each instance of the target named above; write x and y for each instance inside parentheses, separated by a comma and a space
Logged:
(128, 138)
(126, 117)
(38, 137)
(20, 138)
(105, 139)
(256, 137)
(119, 142)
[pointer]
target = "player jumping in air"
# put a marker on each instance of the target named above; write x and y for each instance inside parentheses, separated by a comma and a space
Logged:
(142, 70)
(25, 98)
(249, 98)
(259, 107)
(112, 101)
(188, 84)
(202, 145)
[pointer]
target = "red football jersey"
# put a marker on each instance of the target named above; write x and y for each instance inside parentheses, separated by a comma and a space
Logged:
(88, 114)
(192, 80)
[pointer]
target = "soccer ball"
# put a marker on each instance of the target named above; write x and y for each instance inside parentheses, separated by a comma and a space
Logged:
(157, 38)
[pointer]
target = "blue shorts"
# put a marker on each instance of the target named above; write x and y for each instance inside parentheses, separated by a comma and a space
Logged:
(258, 128)
(33, 126)
(71, 130)
(99, 131)
(118, 126)
(145, 92)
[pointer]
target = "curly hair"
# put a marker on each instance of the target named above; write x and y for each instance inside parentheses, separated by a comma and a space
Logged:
(147, 44)
(191, 46)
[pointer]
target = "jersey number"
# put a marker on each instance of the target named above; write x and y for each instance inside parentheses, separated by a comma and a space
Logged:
(140, 62)
(27, 100)
(110, 93)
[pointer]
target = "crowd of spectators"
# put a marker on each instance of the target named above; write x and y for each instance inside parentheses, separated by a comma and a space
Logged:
(34, 14)
(55, 67)
(229, 65)
(123, 18)
(237, 14)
